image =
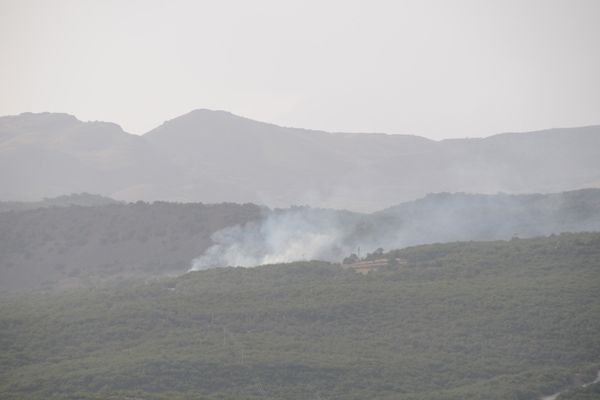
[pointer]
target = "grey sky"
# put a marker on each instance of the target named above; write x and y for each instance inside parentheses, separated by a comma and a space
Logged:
(432, 68)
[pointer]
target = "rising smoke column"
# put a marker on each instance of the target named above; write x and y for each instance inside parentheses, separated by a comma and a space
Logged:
(283, 236)
(304, 234)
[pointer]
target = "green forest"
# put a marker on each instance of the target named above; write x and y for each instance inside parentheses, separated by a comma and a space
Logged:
(84, 240)
(497, 320)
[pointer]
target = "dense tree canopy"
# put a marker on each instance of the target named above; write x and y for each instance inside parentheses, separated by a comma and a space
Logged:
(497, 320)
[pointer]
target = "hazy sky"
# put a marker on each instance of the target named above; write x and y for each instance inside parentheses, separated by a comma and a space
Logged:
(432, 68)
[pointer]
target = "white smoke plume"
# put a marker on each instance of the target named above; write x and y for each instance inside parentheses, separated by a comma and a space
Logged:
(301, 233)
(283, 236)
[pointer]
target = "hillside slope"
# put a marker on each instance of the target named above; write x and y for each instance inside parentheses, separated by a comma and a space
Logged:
(73, 246)
(444, 217)
(462, 321)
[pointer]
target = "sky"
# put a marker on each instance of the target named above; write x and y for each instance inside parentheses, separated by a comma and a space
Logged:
(438, 69)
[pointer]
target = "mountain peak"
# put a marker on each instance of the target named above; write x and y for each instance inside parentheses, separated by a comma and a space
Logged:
(50, 122)
(206, 119)
(45, 118)
(204, 114)
(207, 111)
(47, 114)
(14, 125)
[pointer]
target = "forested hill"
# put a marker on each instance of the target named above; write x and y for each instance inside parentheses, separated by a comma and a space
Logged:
(463, 321)
(72, 246)
(444, 217)
(59, 247)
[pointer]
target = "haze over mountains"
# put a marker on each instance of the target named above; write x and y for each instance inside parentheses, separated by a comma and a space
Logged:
(215, 156)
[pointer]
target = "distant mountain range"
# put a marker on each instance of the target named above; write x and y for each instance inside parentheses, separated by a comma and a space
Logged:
(215, 156)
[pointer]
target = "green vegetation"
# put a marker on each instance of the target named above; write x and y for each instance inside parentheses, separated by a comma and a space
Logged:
(60, 246)
(591, 392)
(75, 246)
(496, 320)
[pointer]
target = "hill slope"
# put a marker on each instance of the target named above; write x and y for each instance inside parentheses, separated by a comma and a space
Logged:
(463, 321)
(303, 233)
(73, 246)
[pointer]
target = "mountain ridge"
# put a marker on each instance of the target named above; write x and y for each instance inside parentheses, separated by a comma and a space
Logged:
(215, 156)
(68, 116)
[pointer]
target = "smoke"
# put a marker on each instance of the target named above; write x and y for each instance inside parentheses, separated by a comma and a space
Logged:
(282, 236)
(301, 233)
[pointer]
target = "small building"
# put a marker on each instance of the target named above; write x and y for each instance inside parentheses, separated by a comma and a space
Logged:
(364, 267)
